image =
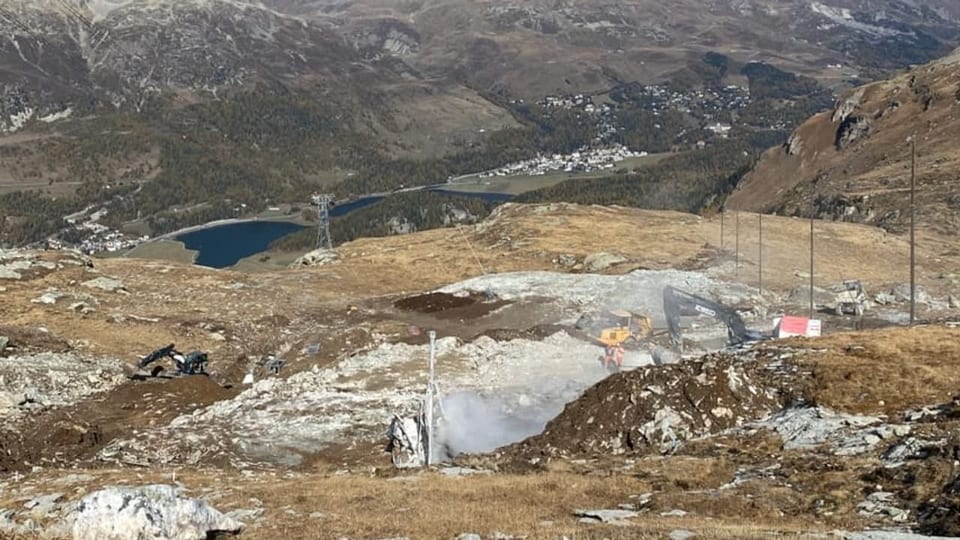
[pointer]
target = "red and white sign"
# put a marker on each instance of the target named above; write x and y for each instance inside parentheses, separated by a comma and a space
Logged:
(789, 326)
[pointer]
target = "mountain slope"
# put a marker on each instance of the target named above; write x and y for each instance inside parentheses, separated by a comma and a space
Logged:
(853, 163)
(179, 111)
(541, 47)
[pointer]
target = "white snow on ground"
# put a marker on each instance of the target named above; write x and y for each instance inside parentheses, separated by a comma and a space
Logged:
(844, 17)
(497, 392)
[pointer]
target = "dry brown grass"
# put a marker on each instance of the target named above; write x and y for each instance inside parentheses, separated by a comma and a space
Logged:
(432, 506)
(886, 371)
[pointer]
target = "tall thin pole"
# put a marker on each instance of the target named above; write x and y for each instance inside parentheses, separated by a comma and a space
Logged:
(428, 414)
(760, 253)
(811, 267)
(737, 257)
(721, 229)
(913, 213)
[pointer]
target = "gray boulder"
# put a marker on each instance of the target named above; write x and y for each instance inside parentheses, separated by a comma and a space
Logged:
(149, 512)
(105, 284)
(601, 261)
(317, 257)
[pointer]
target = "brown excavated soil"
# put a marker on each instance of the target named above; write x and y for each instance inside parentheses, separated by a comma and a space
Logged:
(624, 413)
(70, 435)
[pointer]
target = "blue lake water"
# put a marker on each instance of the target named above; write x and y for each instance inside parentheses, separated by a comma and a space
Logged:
(224, 245)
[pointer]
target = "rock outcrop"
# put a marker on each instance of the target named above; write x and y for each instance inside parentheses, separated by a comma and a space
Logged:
(317, 257)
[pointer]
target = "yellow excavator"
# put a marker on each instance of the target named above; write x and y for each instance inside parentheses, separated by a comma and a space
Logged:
(617, 327)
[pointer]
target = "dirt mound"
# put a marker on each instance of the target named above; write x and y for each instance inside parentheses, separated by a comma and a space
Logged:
(434, 302)
(535, 333)
(656, 408)
(449, 306)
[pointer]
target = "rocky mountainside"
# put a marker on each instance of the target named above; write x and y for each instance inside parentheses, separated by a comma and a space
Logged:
(540, 47)
(61, 55)
(853, 163)
(171, 113)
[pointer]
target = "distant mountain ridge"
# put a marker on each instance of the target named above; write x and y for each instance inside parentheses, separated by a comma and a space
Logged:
(56, 54)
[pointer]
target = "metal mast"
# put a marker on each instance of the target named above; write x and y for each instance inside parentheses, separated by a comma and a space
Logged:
(323, 203)
(913, 237)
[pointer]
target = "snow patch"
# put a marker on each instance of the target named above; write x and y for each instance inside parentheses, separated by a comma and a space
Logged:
(17, 120)
(57, 116)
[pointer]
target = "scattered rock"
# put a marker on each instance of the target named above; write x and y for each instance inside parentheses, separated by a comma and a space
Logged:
(806, 428)
(565, 260)
(909, 449)
(953, 302)
(673, 513)
(889, 535)
(154, 511)
(880, 504)
(44, 504)
(601, 261)
(49, 298)
(901, 291)
(106, 284)
(317, 257)
(10, 400)
(885, 299)
(461, 471)
(469, 536)
(4, 341)
(245, 514)
(604, 516)
(681, 534)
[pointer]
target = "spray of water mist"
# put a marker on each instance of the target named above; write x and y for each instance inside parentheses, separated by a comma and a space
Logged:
(478, 422)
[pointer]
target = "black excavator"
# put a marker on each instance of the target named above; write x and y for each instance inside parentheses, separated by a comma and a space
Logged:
(677, 303)
(192, 363)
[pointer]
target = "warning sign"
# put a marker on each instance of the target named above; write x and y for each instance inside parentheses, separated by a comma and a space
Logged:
(790, 326)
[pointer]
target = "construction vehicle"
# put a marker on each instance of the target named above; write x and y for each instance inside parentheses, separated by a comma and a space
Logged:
(677, 303)
(615, 328)
(192, 363)
(851, 299)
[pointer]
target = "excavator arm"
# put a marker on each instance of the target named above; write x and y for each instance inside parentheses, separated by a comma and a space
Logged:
(158, 354)
(677, 303)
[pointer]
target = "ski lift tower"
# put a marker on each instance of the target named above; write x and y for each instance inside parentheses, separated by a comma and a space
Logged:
(323, 203)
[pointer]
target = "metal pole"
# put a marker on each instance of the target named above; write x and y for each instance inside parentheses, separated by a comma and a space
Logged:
(428, 445)
(721, 229)
(913, 214)
(811, 267)
(760, 253)
(737, 257)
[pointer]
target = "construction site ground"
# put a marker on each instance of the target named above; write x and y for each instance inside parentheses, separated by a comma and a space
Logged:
(301, 454)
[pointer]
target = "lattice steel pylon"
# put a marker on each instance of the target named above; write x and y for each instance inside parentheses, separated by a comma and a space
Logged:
(323, 203)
